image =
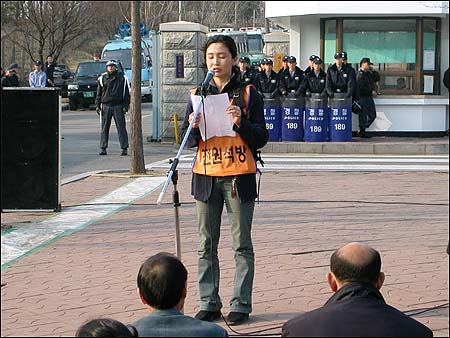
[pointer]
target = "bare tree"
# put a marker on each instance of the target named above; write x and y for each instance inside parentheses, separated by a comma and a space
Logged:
(49, 24)
(137, 165)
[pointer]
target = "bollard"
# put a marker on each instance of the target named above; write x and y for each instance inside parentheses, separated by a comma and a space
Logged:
(175, 127)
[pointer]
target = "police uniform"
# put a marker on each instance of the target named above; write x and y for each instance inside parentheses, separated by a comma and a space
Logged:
(247, 77)
(290, 82)
(340, 80)
(366, 85)
(267, 84)
(113, 100)
(314, 83)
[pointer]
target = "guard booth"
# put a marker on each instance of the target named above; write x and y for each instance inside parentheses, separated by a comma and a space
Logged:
(316, 118)
(292, 118)
(272, 115)
(340, 121)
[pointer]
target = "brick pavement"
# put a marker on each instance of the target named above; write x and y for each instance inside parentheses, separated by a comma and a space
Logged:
(301, 219)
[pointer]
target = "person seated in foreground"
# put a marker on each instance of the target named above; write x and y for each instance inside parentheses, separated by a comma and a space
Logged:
(357, 308)
(162, 287)
(105, 327)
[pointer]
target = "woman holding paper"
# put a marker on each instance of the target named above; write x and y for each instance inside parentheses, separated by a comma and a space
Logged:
(224, 172)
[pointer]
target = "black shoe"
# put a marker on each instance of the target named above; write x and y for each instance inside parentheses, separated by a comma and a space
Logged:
(103, 152)
(236, 318)
(124, 152)
(364, 135)
(208, 316)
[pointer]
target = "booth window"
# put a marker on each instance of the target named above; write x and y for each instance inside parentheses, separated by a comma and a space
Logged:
(403, 50)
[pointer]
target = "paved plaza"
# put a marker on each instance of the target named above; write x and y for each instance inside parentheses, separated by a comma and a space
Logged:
(301, 219)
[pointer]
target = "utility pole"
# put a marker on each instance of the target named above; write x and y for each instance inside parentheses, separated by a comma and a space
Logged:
(137, 165)
(179, 10)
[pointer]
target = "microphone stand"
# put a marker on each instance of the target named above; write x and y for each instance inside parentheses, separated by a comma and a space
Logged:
(173, 175)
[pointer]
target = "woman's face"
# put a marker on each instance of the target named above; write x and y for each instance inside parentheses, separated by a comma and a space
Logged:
(219, 59)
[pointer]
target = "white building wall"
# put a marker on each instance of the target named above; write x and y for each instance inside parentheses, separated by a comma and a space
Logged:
(444, 52)
(294, 8)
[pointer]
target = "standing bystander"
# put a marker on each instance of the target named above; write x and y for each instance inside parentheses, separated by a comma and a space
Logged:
(366, 86)
(37, 78)
(49, 69)
(11, 79)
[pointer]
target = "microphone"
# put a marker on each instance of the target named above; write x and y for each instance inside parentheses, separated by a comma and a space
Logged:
(208, 78)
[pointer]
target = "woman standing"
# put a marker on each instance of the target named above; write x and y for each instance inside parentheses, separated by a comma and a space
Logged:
(224, 172)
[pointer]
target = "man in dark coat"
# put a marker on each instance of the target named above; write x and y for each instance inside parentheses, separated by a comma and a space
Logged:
(357, 308)
(10, 79)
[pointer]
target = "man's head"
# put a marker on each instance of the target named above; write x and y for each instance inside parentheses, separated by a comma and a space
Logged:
(13, 68)
(49, 59)
(365, 63)
(244, 63)
(317, 63)
(339, 59)
(162, 281)
(311, 60)
(355, 262)
(111, 66)
(38, 65)
(285, 61)
(292, 63)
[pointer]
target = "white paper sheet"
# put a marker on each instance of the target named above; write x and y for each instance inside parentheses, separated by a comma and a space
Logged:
(218, 122)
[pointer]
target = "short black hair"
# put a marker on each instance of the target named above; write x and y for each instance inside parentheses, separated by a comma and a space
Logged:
(161, 280)
(104, 327)
(346, 271)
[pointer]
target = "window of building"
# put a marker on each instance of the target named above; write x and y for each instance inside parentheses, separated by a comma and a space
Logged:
(403, 50)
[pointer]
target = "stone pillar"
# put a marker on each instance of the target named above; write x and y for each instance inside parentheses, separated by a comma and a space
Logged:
(182, 43)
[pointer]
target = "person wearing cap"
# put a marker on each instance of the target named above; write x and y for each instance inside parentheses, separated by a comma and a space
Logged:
(339, 78)
(246, 74)
(11, 79)
(37, 78)
(49, 69)
(267, 80)
(366, 85)
(113, 100)
(315, 80)
(290, 81)
(284, 65)
(311, 63)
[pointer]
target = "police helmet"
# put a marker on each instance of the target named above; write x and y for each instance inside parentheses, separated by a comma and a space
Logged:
(112, 63)
(292, 59)
(313, 57)
(338, 55)
(285, 58)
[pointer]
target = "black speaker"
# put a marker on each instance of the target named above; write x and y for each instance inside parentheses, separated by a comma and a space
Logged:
(30, 145)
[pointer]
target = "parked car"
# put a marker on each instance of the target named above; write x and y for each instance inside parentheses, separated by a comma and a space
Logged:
(61, 77)
(83, 87)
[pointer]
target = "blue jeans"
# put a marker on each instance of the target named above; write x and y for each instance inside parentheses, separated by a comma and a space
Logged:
(209, 219)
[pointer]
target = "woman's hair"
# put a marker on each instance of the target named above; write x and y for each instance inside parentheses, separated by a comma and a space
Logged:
(226, 40)
(104, 327)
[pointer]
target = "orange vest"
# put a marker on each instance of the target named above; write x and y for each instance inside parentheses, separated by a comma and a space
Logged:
(226, 155)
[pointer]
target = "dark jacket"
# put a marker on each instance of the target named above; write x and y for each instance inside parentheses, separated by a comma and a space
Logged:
(340, 81)
(267, 86)
(366, 83)
(252, 130)
(290, 84)
(248, 77)
(49, 69)
(445, 80)
(172, 323)
(314, 84)
(112, 89)
(356, 310)
(10, 81)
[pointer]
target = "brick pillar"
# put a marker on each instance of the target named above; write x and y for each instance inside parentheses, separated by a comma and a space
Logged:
(181, 42)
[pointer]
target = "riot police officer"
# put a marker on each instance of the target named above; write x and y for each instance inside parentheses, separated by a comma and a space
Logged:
(247, 75)
(366, 85)
(290, 81)
(315, 80)
(340, 78)
(284, 65)
(311, 63)
(267, 80)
